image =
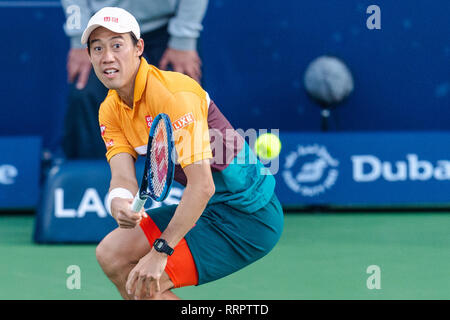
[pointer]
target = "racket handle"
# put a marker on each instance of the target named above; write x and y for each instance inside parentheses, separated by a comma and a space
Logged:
(138, 203)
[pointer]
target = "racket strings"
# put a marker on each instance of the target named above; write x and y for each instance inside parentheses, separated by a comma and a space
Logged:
(159, 159)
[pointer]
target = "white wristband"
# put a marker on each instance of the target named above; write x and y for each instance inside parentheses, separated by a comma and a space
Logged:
(117, 193)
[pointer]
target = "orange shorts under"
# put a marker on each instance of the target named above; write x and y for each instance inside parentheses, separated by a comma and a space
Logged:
(180, 266)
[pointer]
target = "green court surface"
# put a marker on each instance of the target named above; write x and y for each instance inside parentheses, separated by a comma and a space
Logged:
(319, 256)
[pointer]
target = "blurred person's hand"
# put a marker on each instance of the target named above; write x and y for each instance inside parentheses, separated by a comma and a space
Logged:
(184, 61)
(125, 217)
(78, 65)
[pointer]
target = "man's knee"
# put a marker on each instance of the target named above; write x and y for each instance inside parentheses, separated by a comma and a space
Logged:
(120, 250)
(110, 259)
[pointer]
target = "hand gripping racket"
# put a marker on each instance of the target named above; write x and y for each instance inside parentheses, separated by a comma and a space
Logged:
(159, 165)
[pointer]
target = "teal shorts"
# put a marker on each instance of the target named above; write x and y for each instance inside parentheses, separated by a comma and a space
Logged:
(224, 239)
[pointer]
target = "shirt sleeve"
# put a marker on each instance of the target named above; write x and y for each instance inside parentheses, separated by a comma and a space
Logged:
(185, 27)
(112, 134)
(189, 116)
(77, 14)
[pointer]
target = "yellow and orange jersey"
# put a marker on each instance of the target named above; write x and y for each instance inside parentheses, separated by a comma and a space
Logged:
(200, 132)
(126, 129)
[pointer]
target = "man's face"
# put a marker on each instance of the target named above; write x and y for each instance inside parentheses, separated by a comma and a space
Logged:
(114, 57)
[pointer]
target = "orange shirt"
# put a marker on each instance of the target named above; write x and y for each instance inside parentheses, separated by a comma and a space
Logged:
(126, 129)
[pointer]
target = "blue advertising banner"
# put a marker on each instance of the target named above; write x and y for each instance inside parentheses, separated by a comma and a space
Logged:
(366, 169)
(335, 169)
(73, 209)
(20, 169)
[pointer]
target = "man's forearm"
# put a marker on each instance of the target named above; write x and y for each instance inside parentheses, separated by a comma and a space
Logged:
(189, 210)
(120, 188)
(128, 184)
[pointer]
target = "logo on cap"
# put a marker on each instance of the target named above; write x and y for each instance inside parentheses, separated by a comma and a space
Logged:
(111, 19)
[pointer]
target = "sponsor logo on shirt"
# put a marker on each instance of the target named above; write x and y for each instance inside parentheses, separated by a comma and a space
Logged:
(183, 121)
(110, 143)
(149, 121)
(102, 129)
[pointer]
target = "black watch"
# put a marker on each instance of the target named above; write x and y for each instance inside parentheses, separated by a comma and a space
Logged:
(161, 245)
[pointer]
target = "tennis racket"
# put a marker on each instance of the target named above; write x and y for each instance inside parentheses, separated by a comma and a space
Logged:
(159, 165)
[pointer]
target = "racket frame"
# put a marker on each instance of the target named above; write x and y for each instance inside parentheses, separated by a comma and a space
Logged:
(146, 187)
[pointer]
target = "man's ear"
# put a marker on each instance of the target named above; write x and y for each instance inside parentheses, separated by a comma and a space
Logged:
(140, 47)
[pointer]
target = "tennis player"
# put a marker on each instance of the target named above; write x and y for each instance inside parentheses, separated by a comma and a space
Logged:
(228, 216)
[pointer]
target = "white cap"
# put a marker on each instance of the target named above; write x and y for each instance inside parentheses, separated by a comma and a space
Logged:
(115, 19)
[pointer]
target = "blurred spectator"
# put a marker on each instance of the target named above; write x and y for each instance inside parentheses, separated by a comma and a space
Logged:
(170, 30)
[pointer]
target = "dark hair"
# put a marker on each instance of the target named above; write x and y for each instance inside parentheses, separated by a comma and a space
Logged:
(133, 39)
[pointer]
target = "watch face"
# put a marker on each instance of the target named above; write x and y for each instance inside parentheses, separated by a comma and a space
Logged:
(161, 246)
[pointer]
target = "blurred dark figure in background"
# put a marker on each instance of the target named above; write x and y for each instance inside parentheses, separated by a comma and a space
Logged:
(170, 29)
